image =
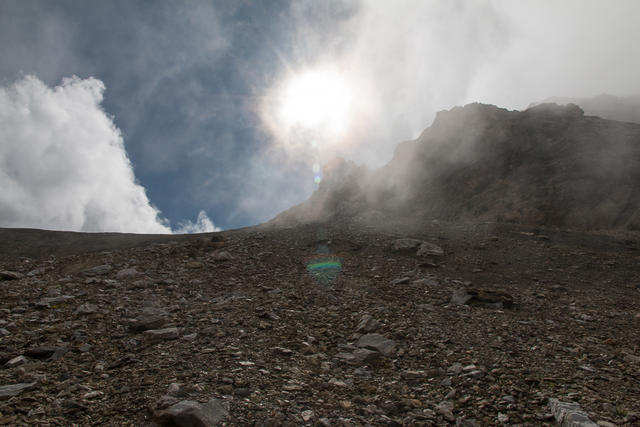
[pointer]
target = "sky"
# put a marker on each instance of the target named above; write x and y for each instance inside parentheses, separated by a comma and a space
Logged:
(160, 116)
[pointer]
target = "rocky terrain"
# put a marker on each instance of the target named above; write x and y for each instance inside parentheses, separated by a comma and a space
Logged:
(332, 323)
(488, 275)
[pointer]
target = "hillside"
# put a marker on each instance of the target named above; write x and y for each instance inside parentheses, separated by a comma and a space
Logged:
(488, 275)
(548, 165)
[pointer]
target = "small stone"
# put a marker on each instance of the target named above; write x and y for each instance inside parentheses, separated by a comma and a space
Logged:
(377, 342)
(92, 395)
(8, 391)
(346, 357)
(455, 369)
(16, 361)
(98, 270)
(127, 273)
(503, 418)
(146, 323)
(155, 335)
(366, 355)
(306, 415)
(460, 297)
(445, 409)
(569, 414)
(284, 351)
(426, 307)
(4, 332)
(221, 256)
(243, 392)
(10, 275)
(86, 309)
(401, 281)
(53, 301)
(175, 389)
(84, 348)
(400, 245)
(367, 324)
(188, 413)
(429, 249)
(630, 358)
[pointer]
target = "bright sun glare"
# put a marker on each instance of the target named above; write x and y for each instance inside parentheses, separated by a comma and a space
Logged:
(317, 100)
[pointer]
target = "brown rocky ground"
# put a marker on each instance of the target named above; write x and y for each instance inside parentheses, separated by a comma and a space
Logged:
(277, 342)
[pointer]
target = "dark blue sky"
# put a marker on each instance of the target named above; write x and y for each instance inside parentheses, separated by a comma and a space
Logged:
(182, 83)
(186, 82)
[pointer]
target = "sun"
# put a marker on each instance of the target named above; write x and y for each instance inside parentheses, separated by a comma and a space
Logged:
(316, 100)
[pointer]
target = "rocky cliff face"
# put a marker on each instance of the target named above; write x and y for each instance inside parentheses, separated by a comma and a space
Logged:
(547, 165)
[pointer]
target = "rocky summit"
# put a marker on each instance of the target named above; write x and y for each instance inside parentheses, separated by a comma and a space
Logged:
(495, 286)
(548, 165)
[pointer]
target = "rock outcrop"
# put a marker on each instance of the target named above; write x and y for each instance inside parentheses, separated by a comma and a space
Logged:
(547, 165)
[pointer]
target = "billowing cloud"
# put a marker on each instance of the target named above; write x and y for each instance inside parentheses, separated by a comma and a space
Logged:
(202, 225)
(63, 165)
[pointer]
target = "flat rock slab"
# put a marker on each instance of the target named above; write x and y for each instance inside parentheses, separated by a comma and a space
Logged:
(399, 245)
(10, 275)
(377, 343)
(98, 270)
(49, 301)
(162, 334)
(188, 413)
(8, 391)
(569, 414)
(483, 297)
(146, 323)
(429, 249)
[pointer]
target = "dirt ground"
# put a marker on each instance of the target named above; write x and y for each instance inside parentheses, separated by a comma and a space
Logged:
(270, 319)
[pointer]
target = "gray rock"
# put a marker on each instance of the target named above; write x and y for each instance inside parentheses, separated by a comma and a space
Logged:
(98, 270)
(346, 357)
(155, 335)
(146, 323)
(49, 301)
(378, 343)
(401, 281)
(16, 361)
(367, 324)
(400, 245)
(446, 410)
(127, 272)
(429, 249)
(10, 275)
(8, 391)
(188, 413)
(460, 297)
(222, 256)
(482, 297)
(366, 355)
(569, 414)
(87, 308)
(4, 332)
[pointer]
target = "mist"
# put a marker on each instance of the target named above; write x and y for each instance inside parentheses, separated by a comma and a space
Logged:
(411, 59)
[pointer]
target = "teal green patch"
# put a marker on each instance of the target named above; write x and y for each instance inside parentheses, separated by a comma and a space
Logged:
(325, 270)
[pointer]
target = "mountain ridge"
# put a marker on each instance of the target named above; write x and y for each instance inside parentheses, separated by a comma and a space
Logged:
(547, 165)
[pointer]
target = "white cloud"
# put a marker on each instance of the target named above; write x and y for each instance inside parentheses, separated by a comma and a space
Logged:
(63, 165)
(202, 225)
